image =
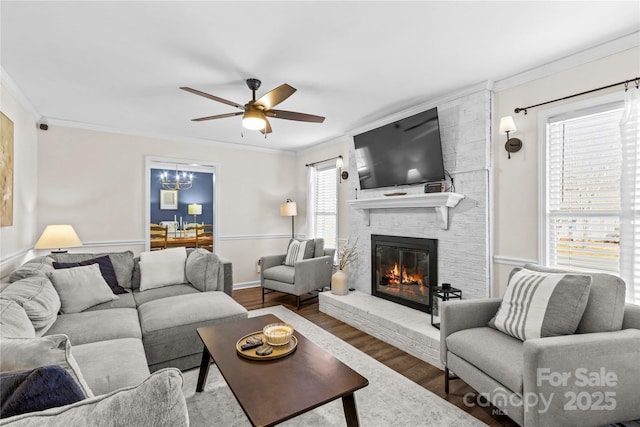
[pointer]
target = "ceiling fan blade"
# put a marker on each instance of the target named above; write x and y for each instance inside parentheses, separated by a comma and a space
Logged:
(292, 115)
(219, 116)
(276, 96)
(267, 128)
(215, 98)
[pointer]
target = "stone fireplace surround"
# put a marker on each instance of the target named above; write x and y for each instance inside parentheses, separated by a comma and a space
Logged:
(463, 245)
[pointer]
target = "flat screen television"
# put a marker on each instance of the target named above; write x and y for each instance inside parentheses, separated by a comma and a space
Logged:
(401, 153)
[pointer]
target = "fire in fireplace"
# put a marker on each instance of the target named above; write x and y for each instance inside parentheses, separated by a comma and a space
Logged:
(404, 270)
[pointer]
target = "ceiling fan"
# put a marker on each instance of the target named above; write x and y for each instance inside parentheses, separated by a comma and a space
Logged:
(255, 112)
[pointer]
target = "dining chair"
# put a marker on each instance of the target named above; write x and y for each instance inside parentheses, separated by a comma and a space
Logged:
(157, 237)
(204, 236)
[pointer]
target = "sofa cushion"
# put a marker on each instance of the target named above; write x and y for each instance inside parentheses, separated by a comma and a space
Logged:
(39, 266)
(280, 273)
(36, 390)
(538, 304)
(39, 299)
(14, 322)
(164, 292)
(106, 269)
(162, 268)
(606, 304)
(81, 287)
(318, 248)
(29, 353)
(170, 337)
(202, 268)
(123, 301)
(130, 406)
(501, 360)
(101, 325)
(110, 365)
(122, 263)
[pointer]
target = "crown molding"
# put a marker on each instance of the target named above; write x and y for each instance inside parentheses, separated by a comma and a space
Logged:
(579, 58)
(15, 91)
(173, 138)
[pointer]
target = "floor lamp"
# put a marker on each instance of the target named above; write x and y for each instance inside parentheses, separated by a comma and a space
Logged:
(289, 208)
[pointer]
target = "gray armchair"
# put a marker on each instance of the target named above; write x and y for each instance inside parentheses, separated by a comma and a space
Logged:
(590, 378)
(305, 277)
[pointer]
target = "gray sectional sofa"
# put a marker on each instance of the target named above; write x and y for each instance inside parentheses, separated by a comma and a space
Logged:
(113, 347)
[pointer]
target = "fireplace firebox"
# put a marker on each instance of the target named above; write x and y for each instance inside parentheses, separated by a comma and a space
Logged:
(404, 270)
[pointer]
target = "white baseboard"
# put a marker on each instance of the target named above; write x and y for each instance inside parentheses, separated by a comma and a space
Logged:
(246, 285)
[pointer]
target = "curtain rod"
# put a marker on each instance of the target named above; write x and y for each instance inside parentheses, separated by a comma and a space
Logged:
(625, 83)
(325, 160)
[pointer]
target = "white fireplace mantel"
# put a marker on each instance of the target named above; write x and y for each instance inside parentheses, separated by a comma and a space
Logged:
(440, 201)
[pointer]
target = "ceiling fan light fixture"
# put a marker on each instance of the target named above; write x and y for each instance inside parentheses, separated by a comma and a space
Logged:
(253, 119)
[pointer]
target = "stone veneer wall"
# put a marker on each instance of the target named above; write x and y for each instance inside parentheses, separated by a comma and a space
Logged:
(463, 249)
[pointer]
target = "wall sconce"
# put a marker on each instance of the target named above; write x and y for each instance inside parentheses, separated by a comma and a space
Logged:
(512, 145)
(344, 175)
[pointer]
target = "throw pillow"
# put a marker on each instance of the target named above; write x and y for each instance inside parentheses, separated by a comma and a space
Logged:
(80, 288)
(28, 353)
(122, 263)
(295, 252)
(539, 304)
(202, 269)
(106, 269)
(14, 322)
(36, 390)
(39, 299)
(162, 268)
(39, 266)
(131, 406)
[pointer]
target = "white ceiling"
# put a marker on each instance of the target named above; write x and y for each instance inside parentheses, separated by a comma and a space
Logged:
(118, 65)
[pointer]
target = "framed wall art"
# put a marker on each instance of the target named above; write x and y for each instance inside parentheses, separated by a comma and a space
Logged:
(6, 171)
(168, 200)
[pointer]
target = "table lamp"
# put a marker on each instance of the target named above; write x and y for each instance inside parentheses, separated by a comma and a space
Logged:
(58, 237)
(195, 209)
(289, 208)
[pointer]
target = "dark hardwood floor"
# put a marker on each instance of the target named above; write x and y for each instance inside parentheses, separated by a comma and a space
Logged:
(418, 371)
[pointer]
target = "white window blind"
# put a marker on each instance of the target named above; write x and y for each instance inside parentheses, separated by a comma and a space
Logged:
(583, 168)
(325, 203)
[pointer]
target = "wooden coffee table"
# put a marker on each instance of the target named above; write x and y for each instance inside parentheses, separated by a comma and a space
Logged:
(273, 391)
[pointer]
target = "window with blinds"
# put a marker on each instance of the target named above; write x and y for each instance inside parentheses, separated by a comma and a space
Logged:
(583, 170)
(325, 204)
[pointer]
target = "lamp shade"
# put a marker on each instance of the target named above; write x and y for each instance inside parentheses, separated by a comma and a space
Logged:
(195, 209)
(288, 208)
(253, 119)
(507, 124)
(57, 237)
(339, 162)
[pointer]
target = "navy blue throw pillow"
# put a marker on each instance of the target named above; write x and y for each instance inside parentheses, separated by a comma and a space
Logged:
(106, 269)
(36, 390)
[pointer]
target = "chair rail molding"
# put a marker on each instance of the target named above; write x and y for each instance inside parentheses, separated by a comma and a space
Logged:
(440, 201)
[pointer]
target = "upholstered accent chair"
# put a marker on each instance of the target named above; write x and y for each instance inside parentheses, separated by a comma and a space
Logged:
(310, 273)
(588, 378)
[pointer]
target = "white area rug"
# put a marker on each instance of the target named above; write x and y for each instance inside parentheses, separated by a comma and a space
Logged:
(389, 400)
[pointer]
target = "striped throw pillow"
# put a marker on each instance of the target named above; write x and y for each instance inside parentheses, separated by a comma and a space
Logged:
(295, 252)
(538, 304)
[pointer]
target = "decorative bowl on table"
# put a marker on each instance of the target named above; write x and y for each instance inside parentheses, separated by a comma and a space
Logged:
(278, 333)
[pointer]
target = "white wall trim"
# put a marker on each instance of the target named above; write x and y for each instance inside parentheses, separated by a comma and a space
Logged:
(114, 243)
(11, 258)
(256, 236)
(478, 87)
(246, 285)
(145, 134)
(588, 55)
(518, 262)
(15, 91)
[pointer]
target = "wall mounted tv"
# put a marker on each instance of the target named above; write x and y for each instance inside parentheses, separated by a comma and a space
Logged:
(404, 152)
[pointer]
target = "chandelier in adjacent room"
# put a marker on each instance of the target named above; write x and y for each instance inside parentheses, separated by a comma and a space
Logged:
(180, 181)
